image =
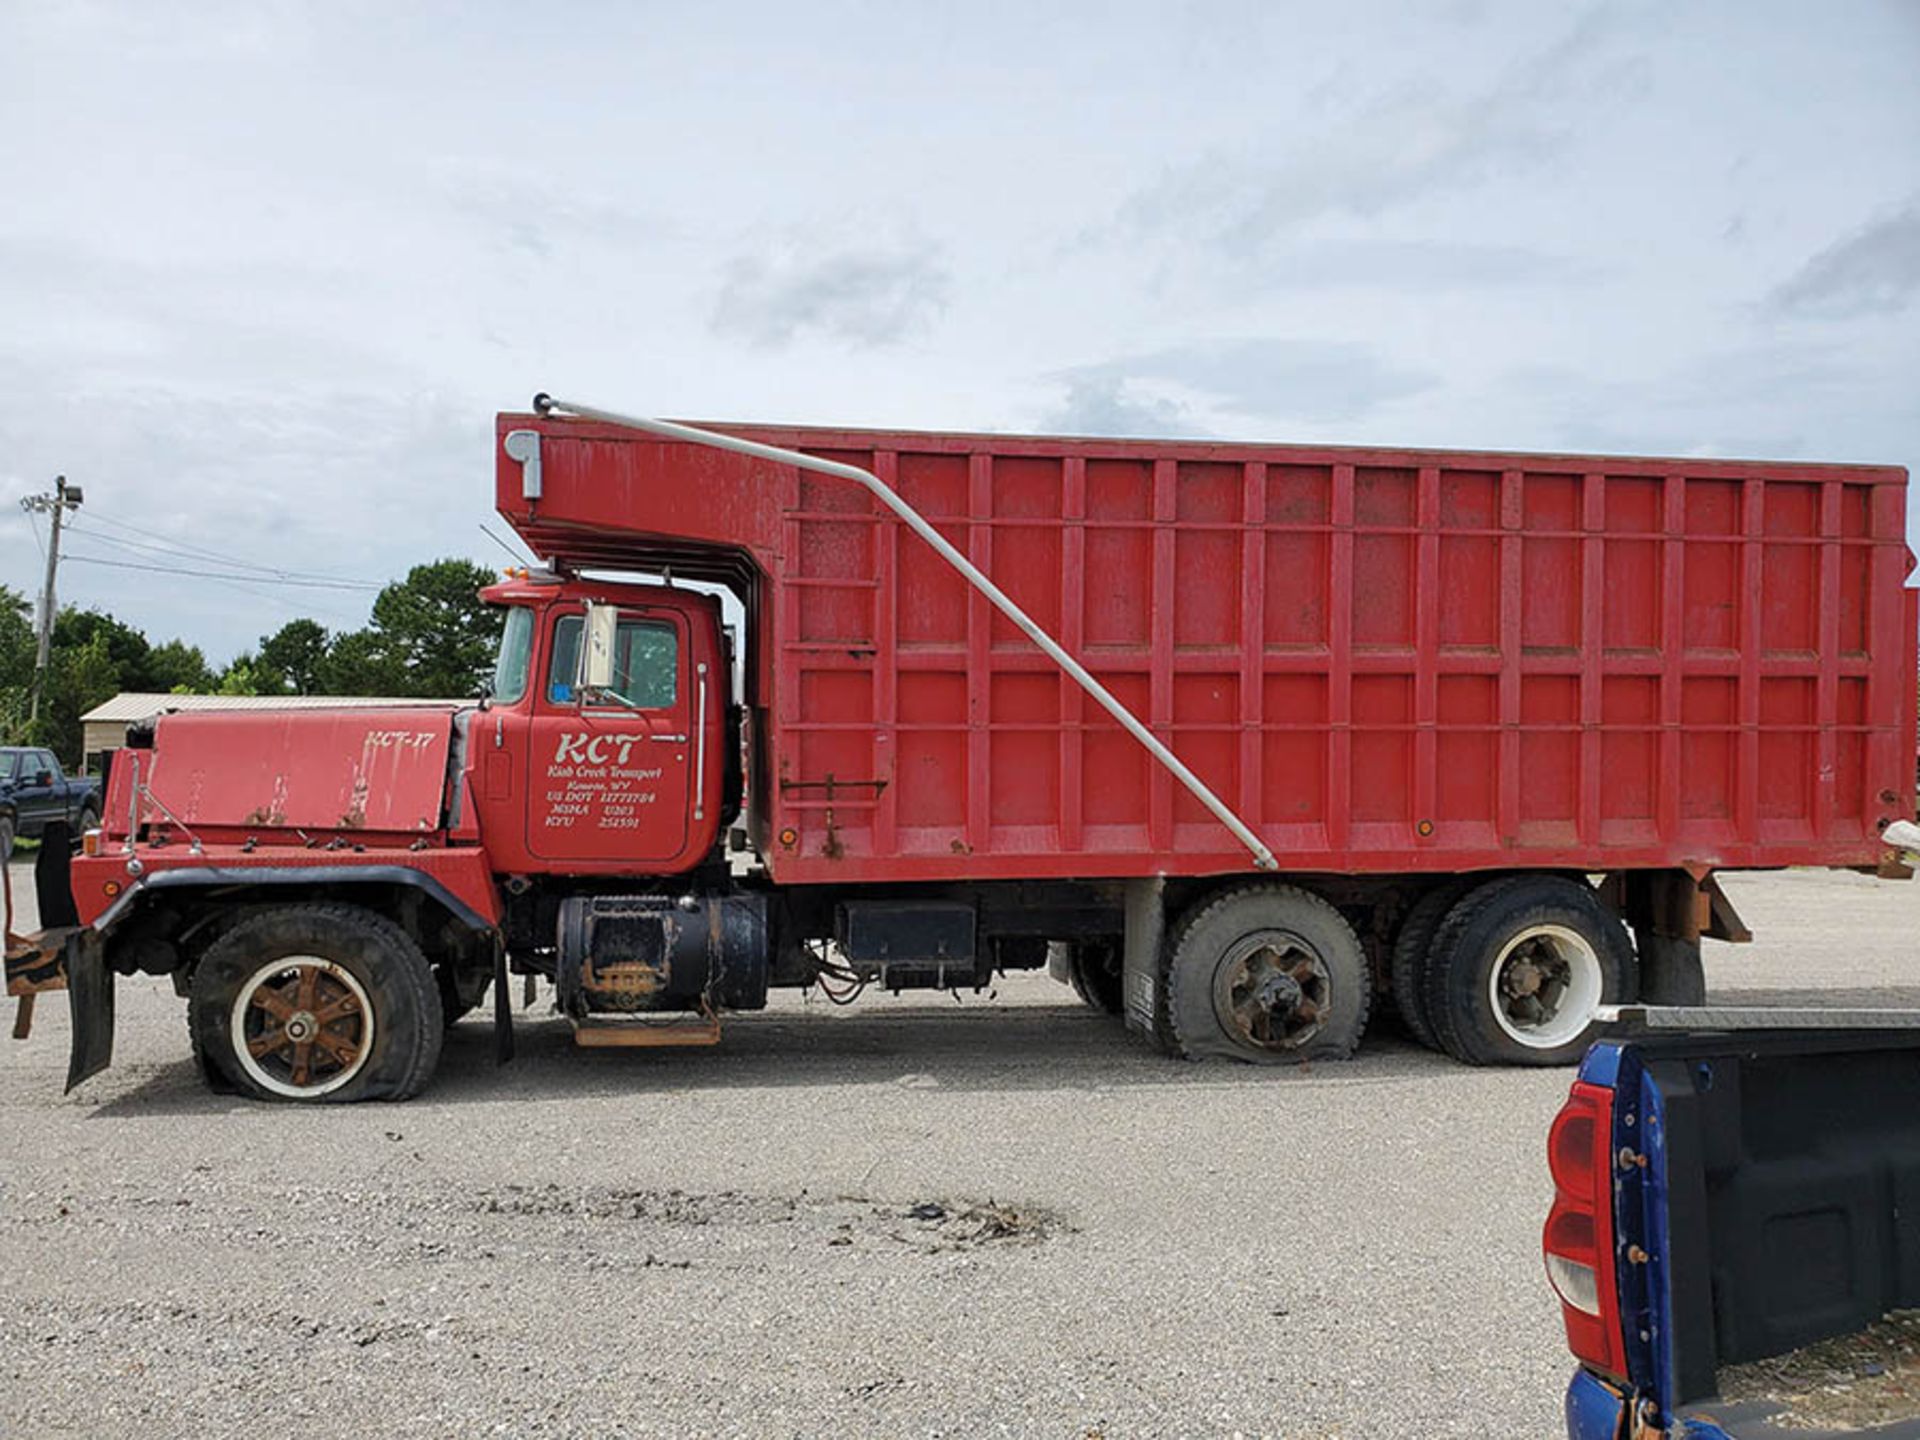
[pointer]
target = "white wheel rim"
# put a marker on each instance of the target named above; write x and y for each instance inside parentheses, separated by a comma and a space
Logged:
(1544, 986)
(314, 1032)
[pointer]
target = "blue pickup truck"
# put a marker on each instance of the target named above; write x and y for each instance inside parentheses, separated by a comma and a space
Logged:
(1736, 1225)
(34, 793)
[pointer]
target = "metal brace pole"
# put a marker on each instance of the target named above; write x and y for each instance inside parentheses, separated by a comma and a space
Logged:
(1195, 786)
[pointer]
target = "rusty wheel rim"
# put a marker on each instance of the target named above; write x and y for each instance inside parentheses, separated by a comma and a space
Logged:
(302, 1026)
(1272, 991)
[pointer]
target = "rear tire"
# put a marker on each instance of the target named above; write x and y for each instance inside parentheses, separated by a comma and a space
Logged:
(6, 839)
(1095, 973)
(316, 1003)
(1270, 974)
(1407, 967)
(1519, 967)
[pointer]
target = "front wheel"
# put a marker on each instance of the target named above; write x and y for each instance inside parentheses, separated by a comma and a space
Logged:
(1520, 967)
(1267, 973)
(320, 1002)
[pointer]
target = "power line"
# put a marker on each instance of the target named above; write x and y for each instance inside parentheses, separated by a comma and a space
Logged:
(162, 546)
(257, 572)
(225, 575)
(306, 609)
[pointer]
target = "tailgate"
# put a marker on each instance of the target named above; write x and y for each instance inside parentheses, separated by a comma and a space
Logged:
(1781, 1202)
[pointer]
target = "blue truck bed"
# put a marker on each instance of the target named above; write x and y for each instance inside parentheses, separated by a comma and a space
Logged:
(1732, 1185)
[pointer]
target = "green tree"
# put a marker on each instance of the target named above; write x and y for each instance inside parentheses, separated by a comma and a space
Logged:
(126, 648)
(179, 668)
(435, 626)
(293, 655)
(79, 677)
(244, 675)
(359, 663)
(17, 645)
(430, 636)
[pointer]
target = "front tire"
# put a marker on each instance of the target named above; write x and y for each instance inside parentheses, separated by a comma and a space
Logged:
(317, 1003)
(1270, 974)
(1519, 968)
(7, 831)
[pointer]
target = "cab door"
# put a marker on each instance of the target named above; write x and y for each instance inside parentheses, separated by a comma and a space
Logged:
(609, 772)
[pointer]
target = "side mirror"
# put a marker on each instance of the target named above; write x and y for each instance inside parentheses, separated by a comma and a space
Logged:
(596, 647)
(44, 777)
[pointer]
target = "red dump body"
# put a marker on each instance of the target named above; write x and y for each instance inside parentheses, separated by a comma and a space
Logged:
(1384, 660)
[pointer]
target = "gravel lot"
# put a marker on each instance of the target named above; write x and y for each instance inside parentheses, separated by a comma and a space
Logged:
(1107, 1243)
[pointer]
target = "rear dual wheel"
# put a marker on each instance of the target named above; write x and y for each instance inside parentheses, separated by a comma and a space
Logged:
(1407, 965)
(1518, 968)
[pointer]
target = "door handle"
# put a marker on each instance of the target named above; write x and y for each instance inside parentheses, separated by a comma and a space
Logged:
(669, 739)
(700, 749)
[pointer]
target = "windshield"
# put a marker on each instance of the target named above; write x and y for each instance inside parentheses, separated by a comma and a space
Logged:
(516, 648)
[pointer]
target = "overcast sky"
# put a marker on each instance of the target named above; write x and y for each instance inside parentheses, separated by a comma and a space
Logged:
(268, 269)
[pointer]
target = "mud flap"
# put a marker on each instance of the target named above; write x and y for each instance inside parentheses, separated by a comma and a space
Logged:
(1146, 922)
(502, 1008)
(90, 1002)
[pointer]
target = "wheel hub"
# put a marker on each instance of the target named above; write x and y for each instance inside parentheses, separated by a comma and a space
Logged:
(1545, 985)
(302, 1026)
(1272, 991)
(1279, 991)
(1524, 978)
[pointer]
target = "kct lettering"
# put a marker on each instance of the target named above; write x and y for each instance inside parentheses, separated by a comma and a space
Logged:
(595, 749)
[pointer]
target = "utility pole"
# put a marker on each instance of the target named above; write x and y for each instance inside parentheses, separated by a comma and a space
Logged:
(65, 497)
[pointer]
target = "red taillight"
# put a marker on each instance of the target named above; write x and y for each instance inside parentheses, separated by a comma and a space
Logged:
(1578, 1238)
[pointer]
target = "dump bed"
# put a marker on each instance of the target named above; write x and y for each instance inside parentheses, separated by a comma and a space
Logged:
(1383, 660)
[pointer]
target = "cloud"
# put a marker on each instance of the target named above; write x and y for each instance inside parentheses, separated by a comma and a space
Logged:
(1308, 381)
(1875, 268)
(1106, 404)
(1400, 148)
(352, 481)
(869, 297)
(541, 219)
(1420, 265)
(1757, 401)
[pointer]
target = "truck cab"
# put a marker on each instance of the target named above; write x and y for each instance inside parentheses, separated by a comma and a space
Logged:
(634, 775)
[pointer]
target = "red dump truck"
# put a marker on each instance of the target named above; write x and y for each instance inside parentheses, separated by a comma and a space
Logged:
(1238, 739)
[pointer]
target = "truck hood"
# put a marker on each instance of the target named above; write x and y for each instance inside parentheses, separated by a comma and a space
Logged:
(366, 769)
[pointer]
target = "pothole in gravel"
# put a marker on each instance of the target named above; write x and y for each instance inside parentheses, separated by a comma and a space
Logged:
(932, 1225)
